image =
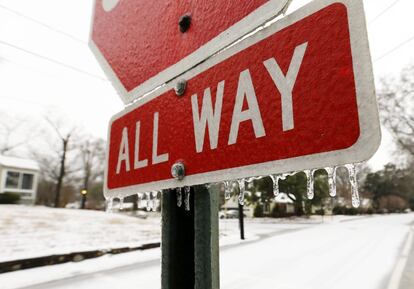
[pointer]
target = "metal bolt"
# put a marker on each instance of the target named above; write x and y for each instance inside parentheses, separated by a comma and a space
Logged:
(184, 23)
(178, 171)
(180, 87)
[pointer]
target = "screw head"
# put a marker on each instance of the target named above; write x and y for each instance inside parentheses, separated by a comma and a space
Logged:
(180, 87)
(178, 171)
(184, 23)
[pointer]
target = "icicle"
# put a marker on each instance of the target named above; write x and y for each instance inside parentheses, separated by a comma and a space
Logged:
(140, 196)
(331, 180)
(352, 172)
(179, 197)
(227, 190)
(148, 201)
(242, 190)
(310, 183)
(109, 205)
(187, 198)
(154, 202)
(121, 203)
(285, 175)
(275, 179)
(155, 194)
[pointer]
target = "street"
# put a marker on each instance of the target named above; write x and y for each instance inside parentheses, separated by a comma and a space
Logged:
(366, 252)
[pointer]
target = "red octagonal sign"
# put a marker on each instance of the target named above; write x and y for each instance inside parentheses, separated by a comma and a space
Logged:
(297, 95)
(140, 46)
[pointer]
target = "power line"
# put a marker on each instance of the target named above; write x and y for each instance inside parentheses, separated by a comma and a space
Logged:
(384, 11)
(47, 26)
(53, 60)
(394, 48)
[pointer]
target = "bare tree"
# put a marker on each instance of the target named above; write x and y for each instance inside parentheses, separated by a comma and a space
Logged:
(54, 167)
(91, 152)
(396, 102)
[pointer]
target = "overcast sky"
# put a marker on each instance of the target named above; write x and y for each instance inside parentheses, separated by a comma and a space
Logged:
(33, 86)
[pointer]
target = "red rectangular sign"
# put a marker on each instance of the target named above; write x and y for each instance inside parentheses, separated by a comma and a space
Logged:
(140, 46)
(297, 95)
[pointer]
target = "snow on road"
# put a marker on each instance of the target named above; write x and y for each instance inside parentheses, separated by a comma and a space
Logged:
(360, 253)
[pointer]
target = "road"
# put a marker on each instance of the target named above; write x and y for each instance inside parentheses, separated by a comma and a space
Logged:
(366, 253)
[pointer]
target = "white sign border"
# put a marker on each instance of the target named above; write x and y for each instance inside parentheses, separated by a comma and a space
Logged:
(370, 133)
(265, 12)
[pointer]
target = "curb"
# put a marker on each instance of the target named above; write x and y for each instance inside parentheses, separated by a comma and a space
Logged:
(21, 264)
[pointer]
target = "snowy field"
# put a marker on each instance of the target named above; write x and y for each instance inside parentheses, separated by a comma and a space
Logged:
(39, 231)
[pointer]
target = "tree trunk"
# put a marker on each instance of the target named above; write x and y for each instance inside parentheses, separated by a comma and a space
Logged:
(61, 173)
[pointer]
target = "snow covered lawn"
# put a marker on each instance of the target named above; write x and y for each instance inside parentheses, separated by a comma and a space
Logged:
(27, 231)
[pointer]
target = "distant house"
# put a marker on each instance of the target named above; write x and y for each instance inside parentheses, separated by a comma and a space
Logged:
(282, 201)
(19, 176)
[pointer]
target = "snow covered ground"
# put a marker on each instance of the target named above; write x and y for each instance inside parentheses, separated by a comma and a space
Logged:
(340, 253)
(27, 231)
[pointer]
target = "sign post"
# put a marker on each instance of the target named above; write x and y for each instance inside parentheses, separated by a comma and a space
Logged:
(190, 245)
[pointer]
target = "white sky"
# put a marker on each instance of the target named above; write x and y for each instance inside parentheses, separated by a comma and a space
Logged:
(30, 86)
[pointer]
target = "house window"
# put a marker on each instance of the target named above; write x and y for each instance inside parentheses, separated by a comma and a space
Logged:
(12, 180)
(27, 182)
(20, 181)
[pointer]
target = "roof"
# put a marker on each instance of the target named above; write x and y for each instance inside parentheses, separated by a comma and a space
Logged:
(18, 163)
(283, 198)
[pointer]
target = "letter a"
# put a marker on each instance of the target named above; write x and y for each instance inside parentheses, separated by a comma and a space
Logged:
(245, 88)
(123, 152)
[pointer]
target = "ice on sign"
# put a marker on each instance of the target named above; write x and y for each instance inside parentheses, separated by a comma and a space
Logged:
(274, 103)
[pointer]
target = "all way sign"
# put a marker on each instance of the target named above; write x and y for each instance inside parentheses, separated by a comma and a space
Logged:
(296, 95)
(143, 44)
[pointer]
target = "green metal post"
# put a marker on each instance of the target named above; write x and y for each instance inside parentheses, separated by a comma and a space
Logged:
(207, 271)
(190, 251)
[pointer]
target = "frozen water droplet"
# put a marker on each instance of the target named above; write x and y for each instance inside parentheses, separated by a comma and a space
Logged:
(140, 196)
(187, 198)
(242, 190)
(121, 203)
(275, 179)
(352, 172)
(227, 190)
(148, 199)
(179, 197)
(109, 205)
(310, 183)
(331, 180)
(154, 200)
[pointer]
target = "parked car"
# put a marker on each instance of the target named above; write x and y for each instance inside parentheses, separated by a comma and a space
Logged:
(229, 214)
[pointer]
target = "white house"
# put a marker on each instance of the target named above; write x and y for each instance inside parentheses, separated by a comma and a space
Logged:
(19, 176)
(281, 200)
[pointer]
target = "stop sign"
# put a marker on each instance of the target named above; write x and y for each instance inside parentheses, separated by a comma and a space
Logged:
(143, 44)
(297, 95)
